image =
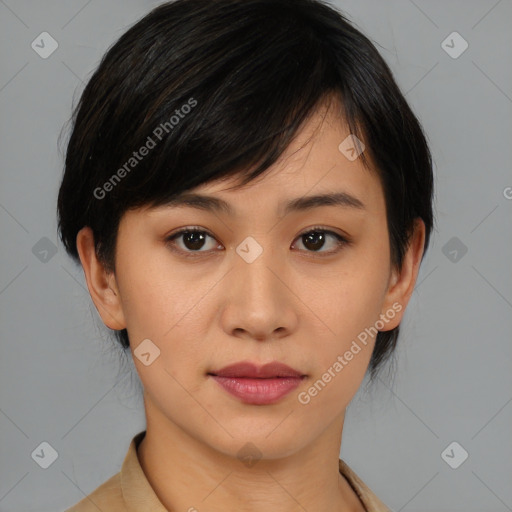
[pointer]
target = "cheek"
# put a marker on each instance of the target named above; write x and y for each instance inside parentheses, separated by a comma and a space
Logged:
(341, 359)
(354, 297)
(160, 304)
(350, 304)
(155, 297)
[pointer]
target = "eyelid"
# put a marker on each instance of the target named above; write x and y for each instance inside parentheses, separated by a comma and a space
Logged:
(188, 229)
(347, 238)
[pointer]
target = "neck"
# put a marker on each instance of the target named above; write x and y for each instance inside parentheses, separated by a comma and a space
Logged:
(186, 474)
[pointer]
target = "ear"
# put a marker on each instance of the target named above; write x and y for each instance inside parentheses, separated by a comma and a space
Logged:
(401, 283)
(102, 285)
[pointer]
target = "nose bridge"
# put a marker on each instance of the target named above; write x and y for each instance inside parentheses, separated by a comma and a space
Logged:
(254, 263)
(259, 302)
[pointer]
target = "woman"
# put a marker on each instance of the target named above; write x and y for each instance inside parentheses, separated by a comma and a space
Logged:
(250, 198)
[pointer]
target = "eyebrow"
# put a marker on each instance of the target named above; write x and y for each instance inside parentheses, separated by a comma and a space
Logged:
(210, 203)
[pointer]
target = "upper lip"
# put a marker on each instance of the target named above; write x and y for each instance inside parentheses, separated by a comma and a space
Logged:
(254, 371)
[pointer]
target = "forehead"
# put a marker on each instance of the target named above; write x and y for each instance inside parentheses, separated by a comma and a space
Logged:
(315, 170)
(318, 162)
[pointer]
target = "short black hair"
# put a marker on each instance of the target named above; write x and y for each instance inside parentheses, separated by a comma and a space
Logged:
(215, 88)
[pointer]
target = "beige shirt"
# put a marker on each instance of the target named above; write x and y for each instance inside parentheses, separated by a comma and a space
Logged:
(130, 491)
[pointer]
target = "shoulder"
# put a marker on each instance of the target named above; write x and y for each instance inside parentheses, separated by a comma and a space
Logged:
(108, 496)
(370, 501)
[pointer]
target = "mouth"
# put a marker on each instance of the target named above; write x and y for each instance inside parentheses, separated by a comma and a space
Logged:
(258, 385)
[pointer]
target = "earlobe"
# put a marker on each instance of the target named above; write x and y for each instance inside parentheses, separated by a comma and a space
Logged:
(401, 284)
(102, 285)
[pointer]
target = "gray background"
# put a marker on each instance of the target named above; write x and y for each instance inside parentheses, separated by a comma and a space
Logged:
(61, 378)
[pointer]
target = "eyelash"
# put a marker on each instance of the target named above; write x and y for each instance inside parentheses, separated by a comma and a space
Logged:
(340, 241)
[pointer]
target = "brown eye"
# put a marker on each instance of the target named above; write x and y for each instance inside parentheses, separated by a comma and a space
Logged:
(315, 240)
(192, 240)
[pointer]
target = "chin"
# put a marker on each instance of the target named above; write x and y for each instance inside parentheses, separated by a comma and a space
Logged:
(257, 443)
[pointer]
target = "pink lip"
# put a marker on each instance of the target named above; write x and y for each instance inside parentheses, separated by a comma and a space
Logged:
(258, 385)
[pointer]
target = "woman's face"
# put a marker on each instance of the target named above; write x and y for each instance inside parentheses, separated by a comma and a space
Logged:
(252, 288)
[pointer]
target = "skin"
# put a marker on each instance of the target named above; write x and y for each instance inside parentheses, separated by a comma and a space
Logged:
(292, 304)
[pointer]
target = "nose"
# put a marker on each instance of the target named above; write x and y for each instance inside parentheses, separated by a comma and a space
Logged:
(259, 302)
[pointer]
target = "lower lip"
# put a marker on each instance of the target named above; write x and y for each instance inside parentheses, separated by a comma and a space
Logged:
(258, 391)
